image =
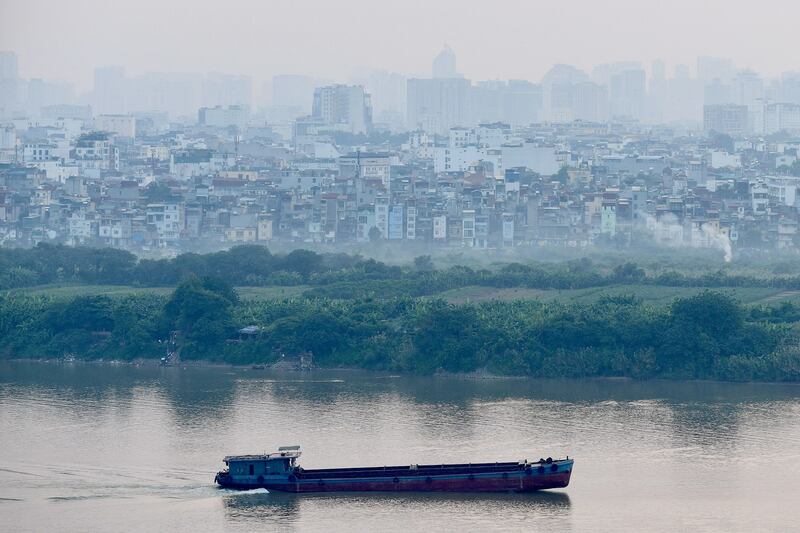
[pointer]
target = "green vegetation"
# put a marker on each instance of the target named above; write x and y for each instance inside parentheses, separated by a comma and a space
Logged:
(118, 291)
(708, 335)
(569, 319)
(649, 294)
(343, 276)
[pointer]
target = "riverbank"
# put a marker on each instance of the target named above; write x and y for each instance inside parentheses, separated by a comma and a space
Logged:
(709, 335)
(152, 363)
(369, 374)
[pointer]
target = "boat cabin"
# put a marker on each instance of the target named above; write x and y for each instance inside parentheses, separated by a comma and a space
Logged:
(280, 463)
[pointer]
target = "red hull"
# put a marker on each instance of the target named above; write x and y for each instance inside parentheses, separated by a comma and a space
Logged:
(520, 484)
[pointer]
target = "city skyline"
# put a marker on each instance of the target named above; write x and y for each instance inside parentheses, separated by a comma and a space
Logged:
(329, 42)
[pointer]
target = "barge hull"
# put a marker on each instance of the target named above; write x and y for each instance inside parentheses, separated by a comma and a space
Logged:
(520, 480)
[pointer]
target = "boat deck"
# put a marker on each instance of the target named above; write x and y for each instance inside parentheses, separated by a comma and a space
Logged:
(420, 470)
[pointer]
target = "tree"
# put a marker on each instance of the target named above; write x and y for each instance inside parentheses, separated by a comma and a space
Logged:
(450, 338)
(201, 311)
(158, 192)
(242, 264)
(715, 313)
(90, 313)
(701, 330)
(721, 141)
(562, 176)
(374, 234)
(304, 262)
(794, 168)
(423, 263)
(629, 272)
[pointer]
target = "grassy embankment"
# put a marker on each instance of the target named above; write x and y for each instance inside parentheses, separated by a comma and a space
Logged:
(649, 294)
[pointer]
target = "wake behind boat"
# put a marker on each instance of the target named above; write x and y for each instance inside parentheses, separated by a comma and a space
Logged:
(279, 471)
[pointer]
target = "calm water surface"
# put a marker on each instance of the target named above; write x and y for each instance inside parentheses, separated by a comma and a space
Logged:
(89, 448)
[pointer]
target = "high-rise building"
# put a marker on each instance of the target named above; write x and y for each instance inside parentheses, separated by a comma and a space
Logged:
(486, 101)
(590, 102)
(747, 88)
(9, 66)
(522, 103)
(289, 90)
(387, 89)
(78, 112)
(109, 90)
(685, 96)
(436, 105)
(714, 68)
(444, 64)
(602, 74)
(726, 118)
(346, 106)
(682, 72)
(9, 82)
(558, 92)
(658, 69)
(790, 87)
(657, 93)
(42, 93)
(717, 93)
(782, 117)
(227, 90)
(179, 94)
(627, 93)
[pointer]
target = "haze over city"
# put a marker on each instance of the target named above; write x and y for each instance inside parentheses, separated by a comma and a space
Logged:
(497, 40)
(443, 251)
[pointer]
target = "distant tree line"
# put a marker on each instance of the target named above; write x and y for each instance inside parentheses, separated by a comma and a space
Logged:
(707, 336)
(333, 275)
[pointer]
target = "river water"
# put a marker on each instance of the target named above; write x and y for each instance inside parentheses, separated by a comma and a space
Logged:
(91, 448)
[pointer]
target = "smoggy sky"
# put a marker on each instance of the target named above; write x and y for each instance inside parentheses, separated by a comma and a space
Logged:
(63, 39)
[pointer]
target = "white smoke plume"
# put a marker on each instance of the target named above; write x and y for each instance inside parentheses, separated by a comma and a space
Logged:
(669, 231)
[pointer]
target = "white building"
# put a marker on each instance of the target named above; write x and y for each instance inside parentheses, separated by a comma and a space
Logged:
(167, 219)
(94, 151)
(122, 125)
(782, 117)
(293, 180)
(440, 227)
(375, 166)
(344, 105)
(36, 151)
(457, 159)
(783, 189)
(759, 197)
(608, 218)
(420, 145)
(493, 144)
(382, 215)
(8, 143)
(541, 159)
(80, 228)
(190, 163)
(366, 221)
(411, 222)
(469, 147)
(784, 160)
(221, 117)
(725, 160)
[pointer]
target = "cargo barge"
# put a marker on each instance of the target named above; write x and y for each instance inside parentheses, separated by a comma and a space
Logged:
(279, 471)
